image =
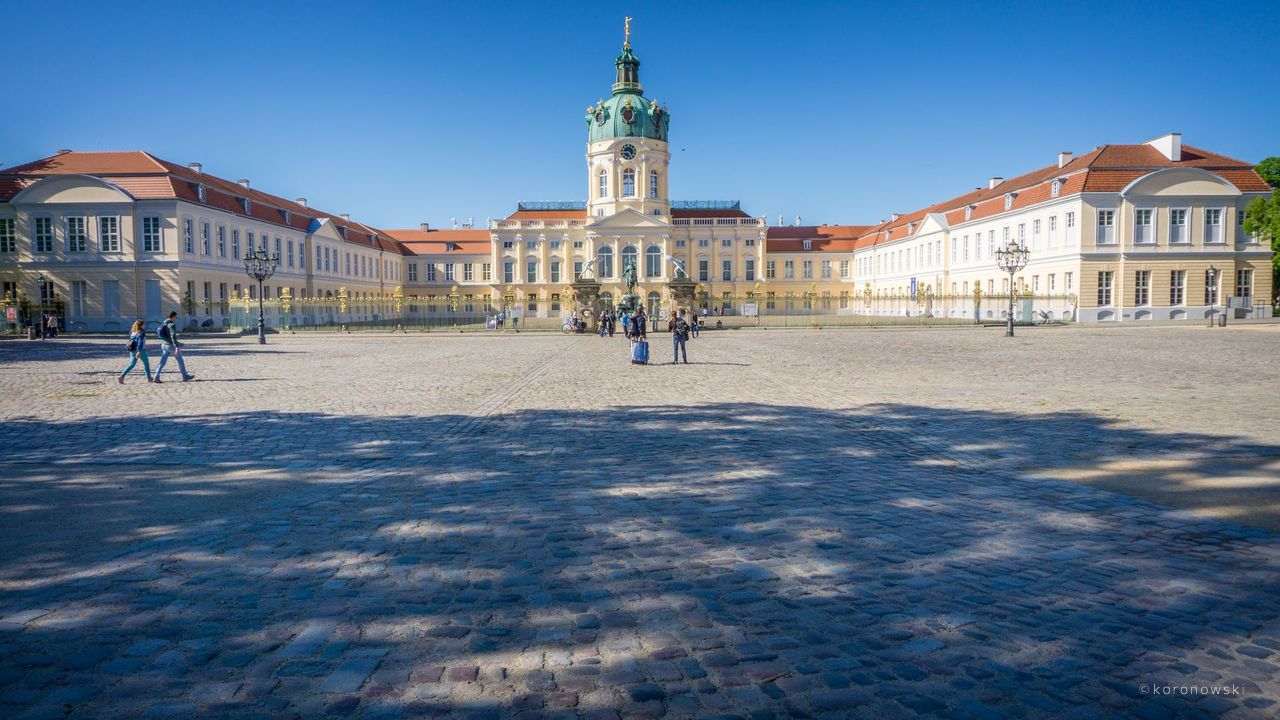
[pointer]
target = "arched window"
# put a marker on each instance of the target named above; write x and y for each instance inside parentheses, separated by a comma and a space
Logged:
(604, 262)
(655, 304)
(629, 183)
(604, 183)
(629, 257)
(653, 184)
(606, 300)
(653, 261)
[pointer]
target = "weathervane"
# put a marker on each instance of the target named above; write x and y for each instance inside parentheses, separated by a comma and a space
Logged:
(627, 41)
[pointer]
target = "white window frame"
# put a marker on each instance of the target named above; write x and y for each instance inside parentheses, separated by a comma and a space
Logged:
(1142, 288)
(1101, 236)
(83, 235)
(109, 238)
(8, 235)
(1149, 236)
(1184, 235)
(1222, 235)
(152, 242)
(1177, 288)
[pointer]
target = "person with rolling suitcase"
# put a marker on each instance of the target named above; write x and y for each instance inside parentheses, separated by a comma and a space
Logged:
(639, 351)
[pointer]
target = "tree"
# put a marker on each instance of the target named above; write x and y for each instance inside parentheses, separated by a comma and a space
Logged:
(1262, 218)
(1269, 169)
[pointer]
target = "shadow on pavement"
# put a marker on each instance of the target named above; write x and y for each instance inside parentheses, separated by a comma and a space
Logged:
(704, 560)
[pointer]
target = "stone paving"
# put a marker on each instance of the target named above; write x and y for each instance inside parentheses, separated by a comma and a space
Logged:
(864, 524)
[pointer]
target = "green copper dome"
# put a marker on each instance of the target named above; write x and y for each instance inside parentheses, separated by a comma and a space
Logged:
(627, 113)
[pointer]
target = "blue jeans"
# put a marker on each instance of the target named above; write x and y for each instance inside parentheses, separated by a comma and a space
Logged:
(165, 350)
(133, 360)
(678, 349)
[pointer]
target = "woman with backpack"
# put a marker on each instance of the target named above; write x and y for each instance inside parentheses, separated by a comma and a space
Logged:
(137, 349)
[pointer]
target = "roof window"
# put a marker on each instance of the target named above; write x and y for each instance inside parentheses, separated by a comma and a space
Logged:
(808, 244)
(1055, 188)
(200, 192)
(968, 211)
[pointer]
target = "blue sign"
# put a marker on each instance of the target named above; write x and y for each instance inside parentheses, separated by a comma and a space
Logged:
(913, 288)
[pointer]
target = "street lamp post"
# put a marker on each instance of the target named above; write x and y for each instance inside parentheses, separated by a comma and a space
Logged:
(1011, 259)
(1213, 294)
(43, 282)
(259, 266)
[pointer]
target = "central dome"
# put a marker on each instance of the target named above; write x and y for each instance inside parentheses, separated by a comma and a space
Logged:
(627, 113)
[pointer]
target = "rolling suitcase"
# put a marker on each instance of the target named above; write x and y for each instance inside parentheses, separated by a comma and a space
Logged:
(640, 352)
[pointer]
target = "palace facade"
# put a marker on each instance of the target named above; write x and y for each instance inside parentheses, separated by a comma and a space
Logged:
(1149, 231)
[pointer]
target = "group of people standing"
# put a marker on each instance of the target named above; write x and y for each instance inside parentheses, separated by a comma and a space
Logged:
(169, 345)
(635, 327)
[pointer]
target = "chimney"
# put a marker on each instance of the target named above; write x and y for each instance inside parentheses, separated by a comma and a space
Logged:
(346, 216)
(244, 182)
(1064, 157)
(64, 151)
(993, 182)
(194, 167)
(301, 201)
(424, 227)
(1169, 145)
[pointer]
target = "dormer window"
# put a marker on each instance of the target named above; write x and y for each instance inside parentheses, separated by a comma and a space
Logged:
(808, 245)
(246, 205)
(286, 216)
(342, 230)
(200, 193)
(1008, 201)
(911, 228)
(1055, 188)
(968, 212)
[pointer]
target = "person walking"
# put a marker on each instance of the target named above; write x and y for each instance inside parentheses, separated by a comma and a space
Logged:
(679, 330)
(137, 349)
(169, 345)
(696, 324)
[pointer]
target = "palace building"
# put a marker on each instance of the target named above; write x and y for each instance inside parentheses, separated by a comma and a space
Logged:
(1149, 231)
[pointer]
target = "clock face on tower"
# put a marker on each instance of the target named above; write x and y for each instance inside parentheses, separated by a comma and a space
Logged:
(628, 152)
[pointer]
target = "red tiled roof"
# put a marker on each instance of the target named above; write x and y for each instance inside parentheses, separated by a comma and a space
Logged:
(815, 245)
(1108, 168)
(146, 176)
(433, 242)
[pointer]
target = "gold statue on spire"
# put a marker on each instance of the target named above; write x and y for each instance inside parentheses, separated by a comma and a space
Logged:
(627, 25)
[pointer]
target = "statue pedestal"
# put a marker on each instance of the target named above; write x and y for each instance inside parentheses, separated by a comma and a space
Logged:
(683, 294)
(586, 299)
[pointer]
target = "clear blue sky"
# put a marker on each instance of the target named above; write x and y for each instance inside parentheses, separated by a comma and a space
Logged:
(401, 113)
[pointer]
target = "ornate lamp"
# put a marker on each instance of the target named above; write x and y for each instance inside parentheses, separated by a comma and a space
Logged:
(43, 282)
(1012, 258)
(259, 266)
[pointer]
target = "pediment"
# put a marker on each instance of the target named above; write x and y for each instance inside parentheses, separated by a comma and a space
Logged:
(325, 229)
(73, 189)
(933, 222)
(629, 221)
(1180, 182)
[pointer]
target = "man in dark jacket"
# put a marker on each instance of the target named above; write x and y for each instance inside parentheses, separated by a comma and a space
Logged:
(169, 345)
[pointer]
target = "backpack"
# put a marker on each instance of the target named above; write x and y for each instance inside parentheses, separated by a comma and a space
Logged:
(682, 329)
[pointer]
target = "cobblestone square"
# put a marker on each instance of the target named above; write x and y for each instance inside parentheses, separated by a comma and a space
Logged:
(1080, 522)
